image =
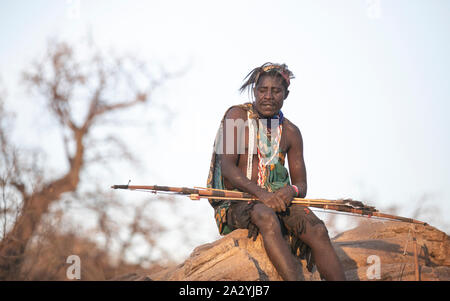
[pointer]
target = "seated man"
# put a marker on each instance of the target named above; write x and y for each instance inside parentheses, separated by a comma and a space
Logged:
(249, 154)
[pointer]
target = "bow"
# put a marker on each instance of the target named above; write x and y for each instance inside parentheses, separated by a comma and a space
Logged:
(342, 205)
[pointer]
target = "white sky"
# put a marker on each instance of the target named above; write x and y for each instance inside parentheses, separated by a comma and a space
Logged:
(371, 93)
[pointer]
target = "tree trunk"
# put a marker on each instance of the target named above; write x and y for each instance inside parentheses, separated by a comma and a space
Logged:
(35, 206)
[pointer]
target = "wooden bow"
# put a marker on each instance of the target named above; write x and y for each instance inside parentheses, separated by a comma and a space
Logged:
(342, 205)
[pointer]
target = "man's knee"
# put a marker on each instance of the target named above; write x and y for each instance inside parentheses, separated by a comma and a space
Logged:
(319, 232)
(264, 217)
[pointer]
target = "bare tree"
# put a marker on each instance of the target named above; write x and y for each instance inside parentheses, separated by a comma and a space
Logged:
(79, 94)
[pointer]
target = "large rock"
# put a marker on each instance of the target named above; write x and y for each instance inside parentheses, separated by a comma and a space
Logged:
(387, 245)
(392, 243)
(233, 257)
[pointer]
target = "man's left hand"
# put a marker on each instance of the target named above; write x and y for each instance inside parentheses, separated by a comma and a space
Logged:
(286, 194)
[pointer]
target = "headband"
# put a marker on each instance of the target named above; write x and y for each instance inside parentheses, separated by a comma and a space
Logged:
(278, 69)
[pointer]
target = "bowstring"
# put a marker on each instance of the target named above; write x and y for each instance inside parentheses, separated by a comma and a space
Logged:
(328, 211)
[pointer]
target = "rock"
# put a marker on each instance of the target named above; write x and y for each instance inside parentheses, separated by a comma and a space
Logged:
(237, 258)
(233, 257)
(132, 277)
(392, 243)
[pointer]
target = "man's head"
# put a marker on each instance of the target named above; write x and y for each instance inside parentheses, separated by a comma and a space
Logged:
(269, 85)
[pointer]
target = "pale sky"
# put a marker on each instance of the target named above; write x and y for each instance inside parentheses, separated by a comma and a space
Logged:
(370, 94)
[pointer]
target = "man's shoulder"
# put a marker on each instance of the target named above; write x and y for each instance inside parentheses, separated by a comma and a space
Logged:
(293, 134)
(290, 126)
(238, 111)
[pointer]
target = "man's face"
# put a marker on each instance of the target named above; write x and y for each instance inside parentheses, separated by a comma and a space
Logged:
(269, 95)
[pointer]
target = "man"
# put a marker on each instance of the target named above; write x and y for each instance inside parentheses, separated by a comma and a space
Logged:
(250, 150)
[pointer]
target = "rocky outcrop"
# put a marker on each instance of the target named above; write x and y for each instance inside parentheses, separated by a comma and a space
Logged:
(374, 250)
(392, 243)
(234, 258)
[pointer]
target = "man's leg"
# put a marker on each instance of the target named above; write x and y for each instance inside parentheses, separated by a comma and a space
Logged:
(276, 246)
(303, 223)
(327, 262)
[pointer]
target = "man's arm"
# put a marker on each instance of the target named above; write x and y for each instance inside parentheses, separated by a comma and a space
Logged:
(229, 160)
(296, 162)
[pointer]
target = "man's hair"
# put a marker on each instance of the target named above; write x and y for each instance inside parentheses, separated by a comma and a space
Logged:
(270, 69)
